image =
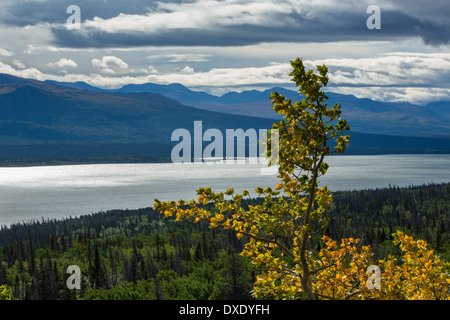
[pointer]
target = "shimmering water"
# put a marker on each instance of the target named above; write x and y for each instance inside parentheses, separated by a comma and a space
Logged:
(28, 193)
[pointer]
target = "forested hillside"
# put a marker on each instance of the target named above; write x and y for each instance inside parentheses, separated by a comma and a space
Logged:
(138, 254)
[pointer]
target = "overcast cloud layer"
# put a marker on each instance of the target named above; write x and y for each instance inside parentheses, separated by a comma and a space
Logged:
(219, 46)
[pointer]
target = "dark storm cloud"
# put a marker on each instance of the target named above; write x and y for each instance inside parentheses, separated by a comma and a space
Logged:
(349, 26)
(20, 13)
(113, 23)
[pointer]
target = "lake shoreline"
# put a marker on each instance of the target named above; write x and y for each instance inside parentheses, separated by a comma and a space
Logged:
(22, 164)
(166, 160)
(82, 216)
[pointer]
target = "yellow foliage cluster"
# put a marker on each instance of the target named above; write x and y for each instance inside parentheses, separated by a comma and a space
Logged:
(342, 269)
(5, 293)
(417, 275)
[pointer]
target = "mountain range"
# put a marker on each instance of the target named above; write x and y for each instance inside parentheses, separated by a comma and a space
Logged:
(364, 115)
(47, 121)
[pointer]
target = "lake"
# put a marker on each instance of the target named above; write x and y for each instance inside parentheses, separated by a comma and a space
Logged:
(30, 193)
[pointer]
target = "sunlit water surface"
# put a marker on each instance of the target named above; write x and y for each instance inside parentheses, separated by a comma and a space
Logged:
(30, 193)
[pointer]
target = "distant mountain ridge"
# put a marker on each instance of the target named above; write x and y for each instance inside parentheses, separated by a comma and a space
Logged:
(50, 121)
(364, 115)
(39, 119)
(103, 116)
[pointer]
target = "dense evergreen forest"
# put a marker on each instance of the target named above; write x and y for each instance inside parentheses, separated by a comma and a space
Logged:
(138, 254)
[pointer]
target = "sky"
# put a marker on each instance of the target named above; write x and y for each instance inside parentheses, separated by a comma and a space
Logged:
(219, 46)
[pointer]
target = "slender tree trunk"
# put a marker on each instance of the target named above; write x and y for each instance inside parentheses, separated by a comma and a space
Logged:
(306, 281)
(306, 276)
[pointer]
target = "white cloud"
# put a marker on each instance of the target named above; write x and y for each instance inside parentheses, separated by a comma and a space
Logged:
(148, 70)
(196, 15)
(186, 57)
(63, 63)
(39, 49)
(415, 95)
(227, 77)
(6, 53)
(18, 64)
(187, 70)
(108, 71)
(210, 14)
(109, 62)
(31, 73)
(109, 65)
(391, 69)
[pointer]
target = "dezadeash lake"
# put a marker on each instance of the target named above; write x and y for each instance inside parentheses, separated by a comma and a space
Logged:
(33, 193)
